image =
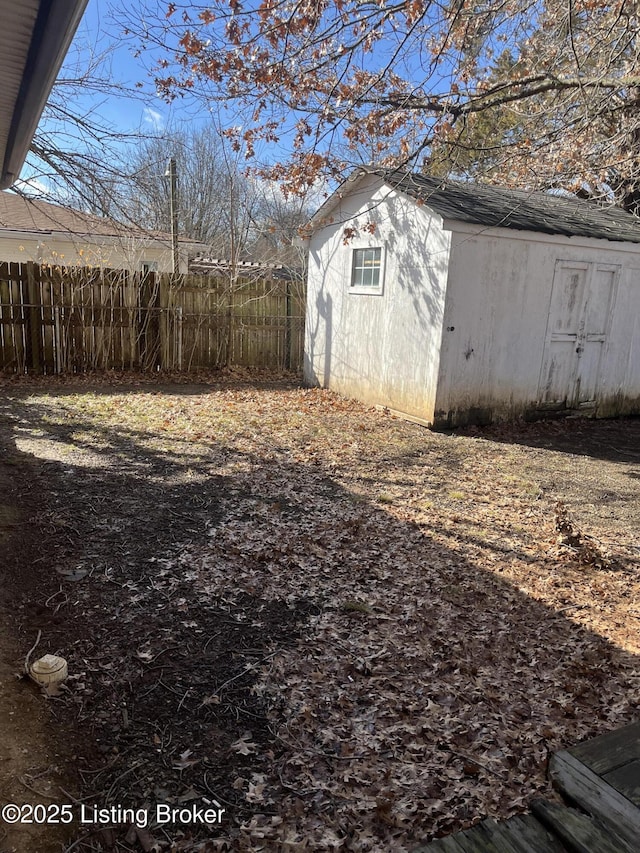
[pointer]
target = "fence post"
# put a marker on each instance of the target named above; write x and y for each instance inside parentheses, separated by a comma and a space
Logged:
(149, 330)
(230, 324)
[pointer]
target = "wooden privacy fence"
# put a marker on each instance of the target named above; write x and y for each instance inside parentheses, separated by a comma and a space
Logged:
(73, 319)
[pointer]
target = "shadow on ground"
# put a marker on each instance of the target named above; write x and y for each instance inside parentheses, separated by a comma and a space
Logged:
(612, 440)
(162, 674)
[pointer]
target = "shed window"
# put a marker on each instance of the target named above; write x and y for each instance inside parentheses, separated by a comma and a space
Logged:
(365, 268)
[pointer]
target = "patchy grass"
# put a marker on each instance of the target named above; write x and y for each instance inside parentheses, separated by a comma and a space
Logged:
(418, 631)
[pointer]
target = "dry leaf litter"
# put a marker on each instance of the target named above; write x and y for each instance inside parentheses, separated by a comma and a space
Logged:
(351, 632)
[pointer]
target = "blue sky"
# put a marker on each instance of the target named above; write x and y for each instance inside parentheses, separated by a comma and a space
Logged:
(98, 29)
(135, 109)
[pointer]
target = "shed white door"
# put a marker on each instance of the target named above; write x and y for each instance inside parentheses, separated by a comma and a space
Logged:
(579, 315)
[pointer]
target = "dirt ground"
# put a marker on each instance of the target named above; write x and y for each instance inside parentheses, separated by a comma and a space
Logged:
(36, 755)
(108, 487)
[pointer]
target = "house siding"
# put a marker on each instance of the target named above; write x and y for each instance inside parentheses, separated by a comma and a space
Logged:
(113, 253)
(380, 348)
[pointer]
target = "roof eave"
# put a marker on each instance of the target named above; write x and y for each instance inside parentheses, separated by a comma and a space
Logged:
(55, 27)
(322, 216)
(477, 229)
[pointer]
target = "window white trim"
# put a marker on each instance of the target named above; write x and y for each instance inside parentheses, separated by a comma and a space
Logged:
(366, 258)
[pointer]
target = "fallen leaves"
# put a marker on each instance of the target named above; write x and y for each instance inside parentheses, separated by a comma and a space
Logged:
(244, 745)
(184, 760)
(449, 644)
(580, 547)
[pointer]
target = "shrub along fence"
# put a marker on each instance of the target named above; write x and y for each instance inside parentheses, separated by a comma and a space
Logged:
(74, 319)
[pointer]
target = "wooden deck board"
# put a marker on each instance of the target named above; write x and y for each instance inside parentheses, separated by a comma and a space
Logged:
(609, 751)
(600, 777)
(595, 796)
(530, 837)
(480, 838)
(520, 834)
(580, 832)
(626, 779)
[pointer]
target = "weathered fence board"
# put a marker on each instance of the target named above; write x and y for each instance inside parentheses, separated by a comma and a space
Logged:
(72, 319)
(12, 318)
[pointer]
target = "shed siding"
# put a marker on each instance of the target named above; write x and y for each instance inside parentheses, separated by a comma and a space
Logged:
(619, 392)
(496, 320)
(380, 348)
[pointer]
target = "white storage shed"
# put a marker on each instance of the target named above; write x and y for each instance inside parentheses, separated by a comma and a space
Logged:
(457, 303)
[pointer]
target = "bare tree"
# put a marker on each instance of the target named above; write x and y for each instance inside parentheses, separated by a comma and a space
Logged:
(81, 159)
(76, 153)
(276, 223)
(237, 216)
(214, 200)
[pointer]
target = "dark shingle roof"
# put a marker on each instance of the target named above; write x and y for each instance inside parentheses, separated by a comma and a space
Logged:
(500, 207)
(18, 213)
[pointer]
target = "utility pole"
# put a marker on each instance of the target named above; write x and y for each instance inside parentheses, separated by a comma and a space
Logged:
(172, 174)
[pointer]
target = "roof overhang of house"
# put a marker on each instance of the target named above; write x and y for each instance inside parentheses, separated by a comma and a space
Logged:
(34, 39)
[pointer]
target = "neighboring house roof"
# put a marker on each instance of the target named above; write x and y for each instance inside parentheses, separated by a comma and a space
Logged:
(34, 38)
(18, 213)
(500, 207)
